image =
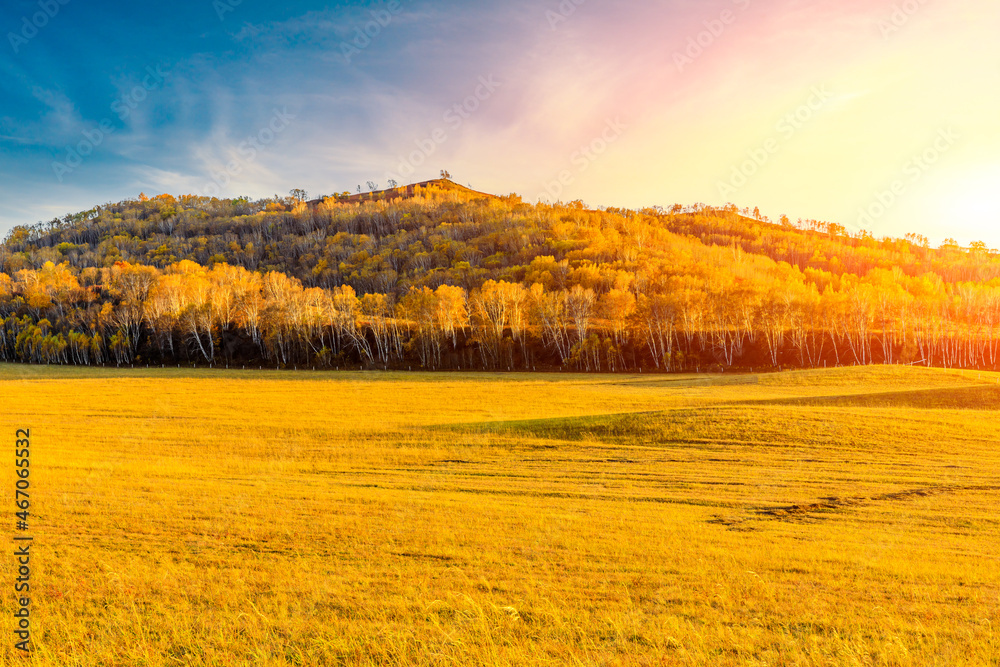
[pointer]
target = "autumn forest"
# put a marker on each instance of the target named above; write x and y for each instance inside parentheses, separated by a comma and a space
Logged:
(446, 278)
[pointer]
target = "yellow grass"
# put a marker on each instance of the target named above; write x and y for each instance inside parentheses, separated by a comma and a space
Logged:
(842, 517)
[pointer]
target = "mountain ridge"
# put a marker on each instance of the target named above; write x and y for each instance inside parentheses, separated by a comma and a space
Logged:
(403, 192)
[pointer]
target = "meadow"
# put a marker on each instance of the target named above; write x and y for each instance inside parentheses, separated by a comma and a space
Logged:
(209, 517)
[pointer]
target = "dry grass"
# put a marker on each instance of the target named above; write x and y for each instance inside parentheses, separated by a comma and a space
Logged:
(844, 517)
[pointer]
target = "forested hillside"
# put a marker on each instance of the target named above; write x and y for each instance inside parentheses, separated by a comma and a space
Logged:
(444, 277)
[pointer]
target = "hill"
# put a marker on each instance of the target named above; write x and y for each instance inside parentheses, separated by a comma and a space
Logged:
(404, 192)
(438, 275)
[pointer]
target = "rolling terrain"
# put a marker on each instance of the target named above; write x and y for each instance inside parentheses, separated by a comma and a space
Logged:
(841, 517)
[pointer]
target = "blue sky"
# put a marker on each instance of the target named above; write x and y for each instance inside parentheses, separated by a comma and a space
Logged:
(163, 100)
(614, 103)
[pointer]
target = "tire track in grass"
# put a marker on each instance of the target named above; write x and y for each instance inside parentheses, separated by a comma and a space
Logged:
(808, 511)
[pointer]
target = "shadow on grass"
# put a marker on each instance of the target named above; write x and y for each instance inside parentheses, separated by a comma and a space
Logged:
(985, 397)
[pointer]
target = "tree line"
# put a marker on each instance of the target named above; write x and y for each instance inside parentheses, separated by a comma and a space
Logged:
(445, 280)
(225, 315)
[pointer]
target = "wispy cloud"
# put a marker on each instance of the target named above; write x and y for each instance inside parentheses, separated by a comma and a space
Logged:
(355, 117)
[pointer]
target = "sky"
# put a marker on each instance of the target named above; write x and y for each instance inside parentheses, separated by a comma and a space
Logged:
(877, 115)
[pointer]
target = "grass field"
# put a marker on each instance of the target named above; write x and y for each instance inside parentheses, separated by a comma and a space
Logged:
(842, 517)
